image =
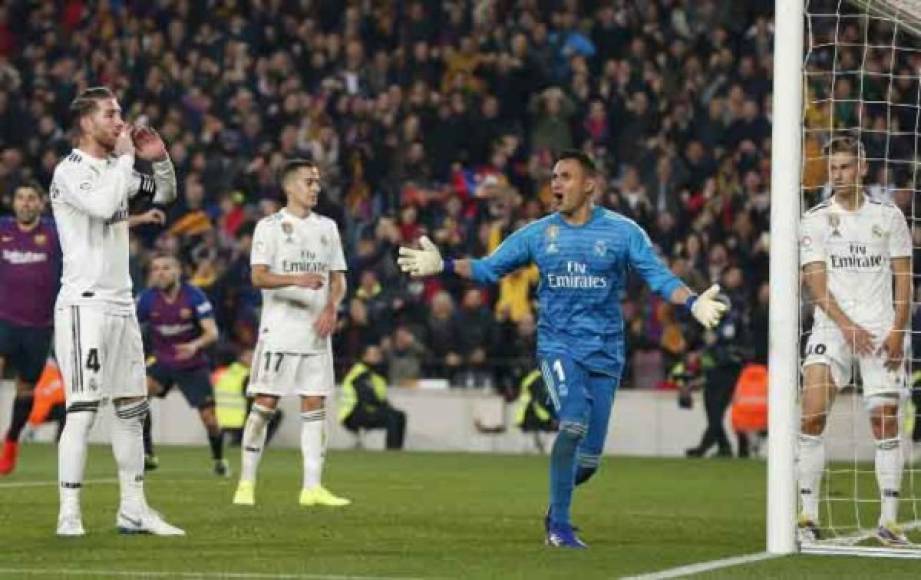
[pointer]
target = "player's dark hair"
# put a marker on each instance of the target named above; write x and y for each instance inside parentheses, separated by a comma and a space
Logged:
(290, 166)
(87, 102)
(846, 144)
(33, 185)
(587, 163)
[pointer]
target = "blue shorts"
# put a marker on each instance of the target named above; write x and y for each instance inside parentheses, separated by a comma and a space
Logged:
(581, 396)
(195, 383)
(26, 349)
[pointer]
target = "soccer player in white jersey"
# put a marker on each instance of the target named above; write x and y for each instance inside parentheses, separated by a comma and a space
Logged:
(856, 259)
(298, 262)
(97, 339)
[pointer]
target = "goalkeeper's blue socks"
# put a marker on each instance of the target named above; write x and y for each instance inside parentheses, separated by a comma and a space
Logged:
(562, 471)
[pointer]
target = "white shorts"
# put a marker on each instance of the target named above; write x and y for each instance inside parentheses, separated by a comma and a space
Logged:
(827, 346)
(100, 353)
(289, 373)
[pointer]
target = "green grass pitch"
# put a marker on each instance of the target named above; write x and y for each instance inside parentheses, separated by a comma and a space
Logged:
(415, 515)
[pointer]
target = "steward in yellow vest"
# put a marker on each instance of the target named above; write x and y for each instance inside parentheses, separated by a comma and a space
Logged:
(364, 402)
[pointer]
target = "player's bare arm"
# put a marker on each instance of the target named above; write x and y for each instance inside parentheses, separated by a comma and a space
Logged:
(151, 216)
(816, 278)
(894, 344)
(264, 279)
(209, 335)
(326, 322)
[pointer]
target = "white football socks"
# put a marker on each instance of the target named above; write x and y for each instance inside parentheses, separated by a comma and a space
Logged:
(128, 449)
(811, 466)
(313, 446)
(889, 467)
(253, 442)
(72, 453)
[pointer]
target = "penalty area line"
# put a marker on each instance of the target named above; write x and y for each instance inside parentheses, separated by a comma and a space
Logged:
(151, 574)
(691, 569)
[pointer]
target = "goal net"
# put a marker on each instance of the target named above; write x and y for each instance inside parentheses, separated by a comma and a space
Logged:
(855, 459)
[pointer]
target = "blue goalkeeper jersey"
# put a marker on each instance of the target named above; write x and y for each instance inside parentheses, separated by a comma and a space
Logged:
(583, 272)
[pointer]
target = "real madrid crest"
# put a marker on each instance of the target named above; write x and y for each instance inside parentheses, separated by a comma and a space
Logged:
(600, 247)
(41, 239)
(877, 231)
(552, 233)
(185, 313)
(288, 230)
(834, 222)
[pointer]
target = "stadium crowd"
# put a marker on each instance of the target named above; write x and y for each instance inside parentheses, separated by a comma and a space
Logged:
(437, 117)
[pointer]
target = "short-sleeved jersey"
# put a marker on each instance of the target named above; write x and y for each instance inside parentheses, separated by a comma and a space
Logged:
(583, 274)
(89, 197)
(857, 248)
(30, 271)
(174, 322)
(291, 245)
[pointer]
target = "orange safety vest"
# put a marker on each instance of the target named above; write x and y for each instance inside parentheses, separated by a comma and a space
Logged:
(750, 401)
(49, 391)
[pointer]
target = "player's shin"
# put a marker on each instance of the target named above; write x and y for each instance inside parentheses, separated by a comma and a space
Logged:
(72, 453)
(312, 446)
(586, 467)
(253, 441)
(562, 470)
(811, 466)
(22, 406)
(889, 467)
(128, 448)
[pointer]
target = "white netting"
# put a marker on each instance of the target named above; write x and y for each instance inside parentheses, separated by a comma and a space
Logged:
(862, 79)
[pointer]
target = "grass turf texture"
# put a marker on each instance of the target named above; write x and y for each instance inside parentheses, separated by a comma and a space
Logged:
(415, 515)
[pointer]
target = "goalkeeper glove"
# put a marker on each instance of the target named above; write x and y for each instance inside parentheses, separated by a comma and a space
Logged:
(706, 308)
(424, 262)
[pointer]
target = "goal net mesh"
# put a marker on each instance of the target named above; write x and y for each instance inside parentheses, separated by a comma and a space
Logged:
(862, 79)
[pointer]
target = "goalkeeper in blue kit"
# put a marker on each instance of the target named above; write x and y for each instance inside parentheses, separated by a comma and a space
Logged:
(583, 253)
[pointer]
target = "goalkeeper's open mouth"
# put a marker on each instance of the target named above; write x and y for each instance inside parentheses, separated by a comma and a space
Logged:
(556, 200)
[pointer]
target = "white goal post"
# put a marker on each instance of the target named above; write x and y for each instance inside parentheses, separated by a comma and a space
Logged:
(793, 30)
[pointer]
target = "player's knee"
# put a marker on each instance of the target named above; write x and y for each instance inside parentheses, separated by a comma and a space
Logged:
(813, 424)
(80, 417)
(154, 388)
(206, 411)
(264, 411)
(572, 432)
(24, 389)
(884, 412)
(129, 409)
(313, 403)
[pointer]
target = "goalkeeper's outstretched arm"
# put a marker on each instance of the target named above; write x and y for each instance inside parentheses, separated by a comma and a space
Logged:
(512, 254)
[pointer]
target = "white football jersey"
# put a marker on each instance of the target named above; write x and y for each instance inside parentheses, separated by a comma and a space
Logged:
(857, 248)
(89, 198)
(291, 245)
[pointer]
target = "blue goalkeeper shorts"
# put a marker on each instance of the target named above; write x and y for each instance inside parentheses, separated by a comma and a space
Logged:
(581, 396)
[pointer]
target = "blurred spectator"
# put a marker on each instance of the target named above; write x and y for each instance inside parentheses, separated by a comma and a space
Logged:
(442, 333)
(441, 119)
(404, 359)
(364, 402)
(476, 325)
